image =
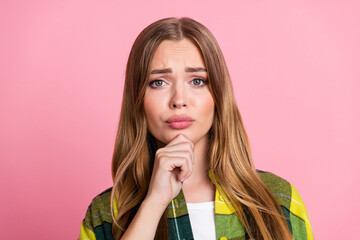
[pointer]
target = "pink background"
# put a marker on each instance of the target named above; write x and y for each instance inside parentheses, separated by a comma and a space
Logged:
(295, 71)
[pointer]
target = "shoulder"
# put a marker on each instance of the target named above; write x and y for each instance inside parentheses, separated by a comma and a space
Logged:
(99, 209)
(281, 188)
(291, 203)
(101, 202)
(98, 218)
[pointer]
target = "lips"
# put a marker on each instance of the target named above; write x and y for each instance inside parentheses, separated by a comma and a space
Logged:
(179, 122)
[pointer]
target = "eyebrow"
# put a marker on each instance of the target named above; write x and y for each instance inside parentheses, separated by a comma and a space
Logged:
(168, 70)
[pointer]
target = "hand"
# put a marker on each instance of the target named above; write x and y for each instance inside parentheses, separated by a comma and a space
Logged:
(172, 166)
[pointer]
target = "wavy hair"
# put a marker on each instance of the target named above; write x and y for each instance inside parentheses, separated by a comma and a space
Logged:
(229, 149)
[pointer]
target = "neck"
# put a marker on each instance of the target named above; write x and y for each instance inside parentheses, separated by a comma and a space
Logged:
(201, 161)
(198, 187)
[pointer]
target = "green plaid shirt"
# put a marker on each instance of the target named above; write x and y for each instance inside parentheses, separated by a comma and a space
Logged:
(98, 221)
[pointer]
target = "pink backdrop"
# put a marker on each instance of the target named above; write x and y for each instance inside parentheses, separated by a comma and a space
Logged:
(295, 70)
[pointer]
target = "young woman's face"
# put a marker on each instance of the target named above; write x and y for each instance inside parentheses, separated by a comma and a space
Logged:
(177, 98)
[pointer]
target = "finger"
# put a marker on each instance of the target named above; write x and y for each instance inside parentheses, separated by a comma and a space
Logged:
(184, 154)
(181, 138)
(171, 163)
(179, 147)
(183, 146)
(180, 153)
(184, 169)
(175, 151)
(189, 155)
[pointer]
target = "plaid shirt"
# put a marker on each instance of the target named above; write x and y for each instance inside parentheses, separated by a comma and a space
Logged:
(98, 221)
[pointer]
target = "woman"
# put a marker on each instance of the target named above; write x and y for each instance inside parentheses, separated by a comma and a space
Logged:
(181, 136)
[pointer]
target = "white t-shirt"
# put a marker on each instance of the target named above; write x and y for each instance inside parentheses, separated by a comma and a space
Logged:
(202, 220)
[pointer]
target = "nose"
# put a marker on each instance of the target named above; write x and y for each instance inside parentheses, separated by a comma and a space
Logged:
(178, 98)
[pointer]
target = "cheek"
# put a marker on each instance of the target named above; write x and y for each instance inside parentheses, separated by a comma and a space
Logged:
(149, 109)
(207, 107)
(152, 108)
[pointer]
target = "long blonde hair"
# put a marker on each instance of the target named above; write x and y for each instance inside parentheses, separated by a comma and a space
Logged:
(229, 149)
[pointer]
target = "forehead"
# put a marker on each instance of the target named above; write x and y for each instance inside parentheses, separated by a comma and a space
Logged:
(174, 53)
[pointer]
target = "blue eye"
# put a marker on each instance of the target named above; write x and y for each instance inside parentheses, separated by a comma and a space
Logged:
(157, 83)
(198, 81)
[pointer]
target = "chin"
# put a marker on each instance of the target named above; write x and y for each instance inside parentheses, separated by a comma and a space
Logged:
(169, 134)
(166, 139)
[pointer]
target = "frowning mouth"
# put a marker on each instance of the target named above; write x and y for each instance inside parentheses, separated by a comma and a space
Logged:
(179, 122)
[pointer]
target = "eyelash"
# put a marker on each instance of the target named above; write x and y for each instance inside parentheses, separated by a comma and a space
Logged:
(204, 82)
